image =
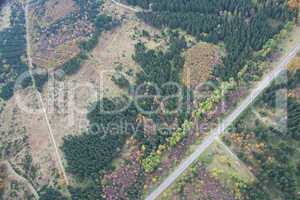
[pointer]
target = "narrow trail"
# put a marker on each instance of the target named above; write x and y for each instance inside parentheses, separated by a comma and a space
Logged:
(40, 99)
(14, 175)
(241, 163)
(129, 8)
(217, 132)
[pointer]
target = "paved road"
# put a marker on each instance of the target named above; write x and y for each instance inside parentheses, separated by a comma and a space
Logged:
(40, 99)
(258, 89)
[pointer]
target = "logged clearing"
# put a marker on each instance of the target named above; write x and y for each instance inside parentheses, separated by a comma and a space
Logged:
(55, 37)
(199, 62)
(58, 9)
(5, 14)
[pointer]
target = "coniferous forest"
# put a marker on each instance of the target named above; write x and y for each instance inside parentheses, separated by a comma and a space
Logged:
(278, 163)
(12, 49)
(243, 26)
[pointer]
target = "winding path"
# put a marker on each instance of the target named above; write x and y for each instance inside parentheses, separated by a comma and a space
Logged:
(215, 133)
(14, 175)
(126, 6)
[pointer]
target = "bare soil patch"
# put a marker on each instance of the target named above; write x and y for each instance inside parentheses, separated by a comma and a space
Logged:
(54, 37)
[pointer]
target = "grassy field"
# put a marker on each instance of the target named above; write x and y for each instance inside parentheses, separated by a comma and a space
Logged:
(227, 163)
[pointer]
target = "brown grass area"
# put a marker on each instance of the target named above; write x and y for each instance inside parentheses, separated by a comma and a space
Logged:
(53, 57)
(199, 61)
(116, 47)
(68, 101)
(57, 9)
(17, 124)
